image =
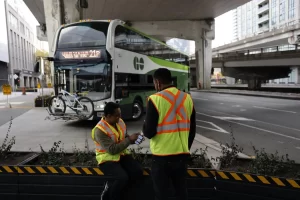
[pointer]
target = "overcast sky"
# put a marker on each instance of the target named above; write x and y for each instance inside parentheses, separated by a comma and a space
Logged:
(224, 32)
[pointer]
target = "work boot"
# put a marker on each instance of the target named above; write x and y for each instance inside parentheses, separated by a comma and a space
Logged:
(104, 195)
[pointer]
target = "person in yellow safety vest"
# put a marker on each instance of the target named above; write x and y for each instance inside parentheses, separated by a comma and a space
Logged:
(170, 125)
(111, 140)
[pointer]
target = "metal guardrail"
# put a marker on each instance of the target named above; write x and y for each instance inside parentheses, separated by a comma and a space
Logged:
(234, 56)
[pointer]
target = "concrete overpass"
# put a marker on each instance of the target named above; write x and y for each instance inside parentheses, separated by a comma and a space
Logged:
(163, 19)
(265, 59)
(286, 34)
(256, 66)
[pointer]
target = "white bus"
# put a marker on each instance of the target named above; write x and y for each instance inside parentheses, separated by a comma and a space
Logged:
(110, 61)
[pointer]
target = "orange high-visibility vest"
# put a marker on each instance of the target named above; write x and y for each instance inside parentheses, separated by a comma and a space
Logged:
(175, 109)
(117, 136)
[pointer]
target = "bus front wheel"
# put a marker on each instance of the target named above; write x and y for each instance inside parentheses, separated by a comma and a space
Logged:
(137, 110)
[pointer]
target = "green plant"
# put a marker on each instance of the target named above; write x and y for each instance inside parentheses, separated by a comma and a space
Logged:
(7, 144)
(229, 152)
(55, 156)
(141, 157)
(83, 158)
(199, 160)
(270, 164)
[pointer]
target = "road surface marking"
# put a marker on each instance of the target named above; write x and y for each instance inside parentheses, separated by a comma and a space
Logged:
(243, 110)
(12, 103)
(294, 129)
(274, 109)
(221, 103)
(200, 99)
(234, 118)
(236, 106)
(297, 148)
(217, 128)
(253, 127)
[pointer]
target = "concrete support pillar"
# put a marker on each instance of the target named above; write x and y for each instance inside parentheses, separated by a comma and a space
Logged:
(254, 84)
(59, 12)
(27, 81)
(21, 81)
(203, 54)
(298, 75)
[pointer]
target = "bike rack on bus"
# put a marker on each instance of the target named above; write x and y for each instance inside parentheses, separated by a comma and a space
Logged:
(64, 116)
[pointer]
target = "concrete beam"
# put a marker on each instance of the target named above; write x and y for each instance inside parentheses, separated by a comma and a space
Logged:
(275, 37)
(288, 62)
(201, 31)
(183, 29)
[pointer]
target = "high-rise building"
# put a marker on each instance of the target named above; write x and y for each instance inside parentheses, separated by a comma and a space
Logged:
(21, 43)
(4, 60)
(258, 16)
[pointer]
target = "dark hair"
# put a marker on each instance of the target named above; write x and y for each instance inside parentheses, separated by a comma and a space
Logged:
(163, 75)
(110, 108)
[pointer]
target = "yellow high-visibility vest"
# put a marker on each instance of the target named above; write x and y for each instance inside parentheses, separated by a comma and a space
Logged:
(175, 109)
(117, 136)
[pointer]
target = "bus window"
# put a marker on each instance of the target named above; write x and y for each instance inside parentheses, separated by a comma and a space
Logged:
(83, 35)
(174, 81)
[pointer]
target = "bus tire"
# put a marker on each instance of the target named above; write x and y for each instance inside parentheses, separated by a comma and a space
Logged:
(137, 109)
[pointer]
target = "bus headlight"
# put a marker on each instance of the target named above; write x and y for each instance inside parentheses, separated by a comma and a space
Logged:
(100, 105)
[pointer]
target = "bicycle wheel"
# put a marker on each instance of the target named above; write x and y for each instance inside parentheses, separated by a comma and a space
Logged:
(85, 107)
(57, 105)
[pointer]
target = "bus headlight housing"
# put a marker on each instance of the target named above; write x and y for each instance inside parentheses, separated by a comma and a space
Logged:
(100, 105)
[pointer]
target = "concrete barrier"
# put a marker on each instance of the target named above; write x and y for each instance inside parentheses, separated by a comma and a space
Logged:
(63, 183)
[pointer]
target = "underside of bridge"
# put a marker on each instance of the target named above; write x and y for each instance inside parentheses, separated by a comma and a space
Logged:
(254, 76)
(164, 19)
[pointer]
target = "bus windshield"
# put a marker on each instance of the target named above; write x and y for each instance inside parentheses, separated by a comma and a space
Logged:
(87, 34)
(92, 80)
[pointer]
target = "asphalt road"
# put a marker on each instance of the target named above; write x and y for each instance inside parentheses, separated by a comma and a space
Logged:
(273, 124)
(19, 105)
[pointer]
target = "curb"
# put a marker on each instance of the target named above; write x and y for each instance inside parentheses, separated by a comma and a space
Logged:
(191, 173)
(254, 95)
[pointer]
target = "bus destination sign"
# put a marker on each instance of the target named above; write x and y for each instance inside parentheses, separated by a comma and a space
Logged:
(81, 54)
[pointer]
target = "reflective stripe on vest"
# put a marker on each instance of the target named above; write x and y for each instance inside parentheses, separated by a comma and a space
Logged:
(175, 109)
(116, 135)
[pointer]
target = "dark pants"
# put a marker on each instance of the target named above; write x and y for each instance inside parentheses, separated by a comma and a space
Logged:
(126, 174)
(163, 171)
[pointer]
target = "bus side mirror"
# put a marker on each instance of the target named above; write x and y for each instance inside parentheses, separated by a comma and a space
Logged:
(121, 92)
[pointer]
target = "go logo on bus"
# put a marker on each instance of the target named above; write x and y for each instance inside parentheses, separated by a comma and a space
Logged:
(138, 63)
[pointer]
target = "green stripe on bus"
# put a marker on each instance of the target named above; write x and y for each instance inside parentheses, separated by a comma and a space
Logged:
(166, 63)
(158, 41)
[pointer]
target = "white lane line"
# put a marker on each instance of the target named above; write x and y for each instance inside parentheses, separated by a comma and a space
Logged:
(236, 106)
(294, 129)
(200, 99)
(217, 128)
(274, 109)
(253, 127)
(233, 118)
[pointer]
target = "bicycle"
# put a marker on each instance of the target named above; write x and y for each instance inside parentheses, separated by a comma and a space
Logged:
(77, 105)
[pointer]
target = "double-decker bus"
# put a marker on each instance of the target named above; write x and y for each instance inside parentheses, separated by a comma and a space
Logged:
(110, 61)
